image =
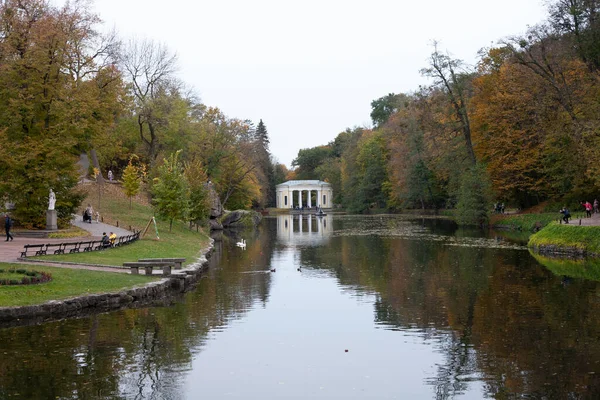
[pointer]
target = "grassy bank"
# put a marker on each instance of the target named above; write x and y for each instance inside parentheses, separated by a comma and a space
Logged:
(523, 222)
(564, 236)
(114, 207)
(66, 283)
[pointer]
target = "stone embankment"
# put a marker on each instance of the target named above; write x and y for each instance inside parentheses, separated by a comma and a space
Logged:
(164, 291)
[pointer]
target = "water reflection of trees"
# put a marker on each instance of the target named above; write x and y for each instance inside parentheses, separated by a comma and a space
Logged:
(496, 315)
(142, 353)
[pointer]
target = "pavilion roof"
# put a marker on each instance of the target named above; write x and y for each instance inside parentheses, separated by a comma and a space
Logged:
(305, 183)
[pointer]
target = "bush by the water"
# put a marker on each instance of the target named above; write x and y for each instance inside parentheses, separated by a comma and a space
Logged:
(474, 197)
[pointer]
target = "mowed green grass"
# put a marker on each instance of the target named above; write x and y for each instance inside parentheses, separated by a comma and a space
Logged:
(524, 222)
(563, 235)
(180, 242)
(69, 282)
(66, 283)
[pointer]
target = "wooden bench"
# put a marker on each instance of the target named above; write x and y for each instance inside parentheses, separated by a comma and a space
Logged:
(121, 240)
(149, 266)
(99, 245)
(75, 245)
(177, 261)
(86, 246)
(59, 250)
(39, 252)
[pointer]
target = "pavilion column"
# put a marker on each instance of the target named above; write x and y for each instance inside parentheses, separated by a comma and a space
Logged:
(300, 198)
(319, 199)
(309, 199)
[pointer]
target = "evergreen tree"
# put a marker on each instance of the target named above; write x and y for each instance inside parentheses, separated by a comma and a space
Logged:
(474, 197)
(266, 171)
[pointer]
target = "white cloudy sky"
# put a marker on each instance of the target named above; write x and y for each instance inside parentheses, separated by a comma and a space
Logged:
(310, 69)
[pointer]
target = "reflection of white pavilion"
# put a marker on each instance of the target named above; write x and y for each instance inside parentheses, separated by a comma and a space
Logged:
(304, 228)
(304, 193)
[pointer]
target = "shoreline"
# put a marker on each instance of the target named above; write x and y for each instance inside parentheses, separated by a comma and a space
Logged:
(566, 241)
(160, 292)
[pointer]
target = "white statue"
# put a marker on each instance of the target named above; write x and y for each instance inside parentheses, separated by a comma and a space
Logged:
(51, 200)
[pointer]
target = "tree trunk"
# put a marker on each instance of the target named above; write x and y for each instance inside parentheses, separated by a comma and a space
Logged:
(96, 164)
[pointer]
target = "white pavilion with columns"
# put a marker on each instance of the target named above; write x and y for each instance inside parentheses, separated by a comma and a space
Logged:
(300, 194)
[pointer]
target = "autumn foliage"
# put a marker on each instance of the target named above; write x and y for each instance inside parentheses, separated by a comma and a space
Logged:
(526, 117)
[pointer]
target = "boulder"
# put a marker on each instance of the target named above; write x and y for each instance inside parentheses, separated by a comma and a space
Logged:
(241, 219)
(216, 208)
(215, 225)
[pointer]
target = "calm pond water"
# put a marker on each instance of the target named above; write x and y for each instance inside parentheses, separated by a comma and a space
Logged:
(377, 307)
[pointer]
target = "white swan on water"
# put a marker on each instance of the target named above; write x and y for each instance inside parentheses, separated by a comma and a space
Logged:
(241, 244)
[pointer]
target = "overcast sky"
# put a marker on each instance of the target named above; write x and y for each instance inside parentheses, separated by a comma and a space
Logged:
(310, 69)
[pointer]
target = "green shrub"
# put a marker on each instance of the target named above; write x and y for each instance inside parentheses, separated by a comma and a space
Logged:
(474, 197)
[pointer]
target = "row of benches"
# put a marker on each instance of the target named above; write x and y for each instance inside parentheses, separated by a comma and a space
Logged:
(74, 247)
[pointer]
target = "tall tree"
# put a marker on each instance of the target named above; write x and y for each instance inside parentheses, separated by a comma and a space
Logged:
(55, 85)
(449, 75)
(199, 207)
(265, 165)
(383, 108)
(150, 68)
(308, 160)
(171, 190)
(579, 21)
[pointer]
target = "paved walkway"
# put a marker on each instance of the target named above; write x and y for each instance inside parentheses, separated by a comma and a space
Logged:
(10, 251)
(97, 228)
(594, 220)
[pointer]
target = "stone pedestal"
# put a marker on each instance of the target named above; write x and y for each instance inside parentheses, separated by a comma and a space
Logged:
(51, 224)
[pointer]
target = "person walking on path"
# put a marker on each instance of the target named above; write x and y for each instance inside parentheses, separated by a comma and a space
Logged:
(588, 209)
(595, 206)
(8, 223)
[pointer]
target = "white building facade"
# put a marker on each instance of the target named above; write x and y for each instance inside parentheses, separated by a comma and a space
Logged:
(292, 194)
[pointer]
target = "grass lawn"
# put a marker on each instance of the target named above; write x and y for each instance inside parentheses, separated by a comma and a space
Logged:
(524, 222)
(114, 206)
(562, 235)
(181, 242)
(66, 283)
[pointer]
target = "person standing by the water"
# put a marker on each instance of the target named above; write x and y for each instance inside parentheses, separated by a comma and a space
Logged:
(566, 214)
(8, 223)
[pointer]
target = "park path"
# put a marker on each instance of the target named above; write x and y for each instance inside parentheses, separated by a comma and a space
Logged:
(10, 251)
(594, 220)
(96, 229)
